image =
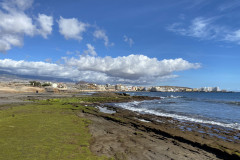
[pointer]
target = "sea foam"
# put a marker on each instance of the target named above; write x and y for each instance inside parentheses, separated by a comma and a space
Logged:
(133, 106)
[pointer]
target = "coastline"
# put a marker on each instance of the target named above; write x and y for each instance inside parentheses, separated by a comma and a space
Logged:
(128, 135)
(186, 132)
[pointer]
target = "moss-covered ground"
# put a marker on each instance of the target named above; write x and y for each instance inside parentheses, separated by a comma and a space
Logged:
(48, 129)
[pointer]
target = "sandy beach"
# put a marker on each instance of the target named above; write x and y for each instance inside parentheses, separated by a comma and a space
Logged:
(128, 135)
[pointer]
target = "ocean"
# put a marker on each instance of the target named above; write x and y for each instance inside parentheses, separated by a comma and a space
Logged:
(218, 109)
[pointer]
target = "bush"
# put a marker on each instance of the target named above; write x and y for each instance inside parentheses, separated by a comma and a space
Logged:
(46, 84)
(35, 83)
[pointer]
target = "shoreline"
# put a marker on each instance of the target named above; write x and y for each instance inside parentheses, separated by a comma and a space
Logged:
(144, 129)
(172, 128)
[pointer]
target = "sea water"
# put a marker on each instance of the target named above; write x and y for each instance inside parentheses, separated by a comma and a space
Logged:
(214, 108)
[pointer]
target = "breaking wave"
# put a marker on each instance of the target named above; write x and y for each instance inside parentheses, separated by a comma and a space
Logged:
(133, 106)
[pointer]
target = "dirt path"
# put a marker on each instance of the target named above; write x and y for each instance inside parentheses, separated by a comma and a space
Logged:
(19, 98)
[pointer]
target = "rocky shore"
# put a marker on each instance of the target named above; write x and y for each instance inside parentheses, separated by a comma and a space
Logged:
(123, 134)
(219, 141)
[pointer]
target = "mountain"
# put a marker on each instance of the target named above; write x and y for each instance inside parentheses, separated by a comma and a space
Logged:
(7, 76)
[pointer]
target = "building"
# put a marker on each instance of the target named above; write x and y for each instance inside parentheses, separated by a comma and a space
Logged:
(54, 85)
(110, 87)
(216, 89)
(118, 87)
(101, 87)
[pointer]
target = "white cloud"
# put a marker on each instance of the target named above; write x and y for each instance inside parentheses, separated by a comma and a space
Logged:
(128, 40)
(45, 23)
(7, 40)
(132, 69)
(100, 34)
(205, 28)
(15, 24)
(72, 28)
(13, 5)
(233, 37)
(90, 51)
(199, 28)
(37, 68)
(46, 69)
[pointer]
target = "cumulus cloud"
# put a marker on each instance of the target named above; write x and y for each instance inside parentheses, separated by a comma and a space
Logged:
(7, 40)
(72, 28)
(33, 68)
(206, 29)
(45, 23)
(132, 69)
(47, 69)
(90, 51)
(15, 24)
(128, 40)
(100, 34)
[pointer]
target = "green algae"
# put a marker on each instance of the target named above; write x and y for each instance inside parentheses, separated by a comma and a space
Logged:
(45, 130)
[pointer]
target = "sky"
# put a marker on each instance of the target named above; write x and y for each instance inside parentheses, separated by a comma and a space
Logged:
(192, 43)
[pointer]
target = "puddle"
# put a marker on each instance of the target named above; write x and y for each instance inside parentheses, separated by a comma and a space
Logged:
(105, 110)
(143, 120)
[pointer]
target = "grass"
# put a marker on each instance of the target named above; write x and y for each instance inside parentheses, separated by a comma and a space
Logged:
(237, 153)
(115, 119)
(88, 99)
(46, 130)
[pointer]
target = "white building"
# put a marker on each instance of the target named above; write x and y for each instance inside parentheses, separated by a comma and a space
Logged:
(54, 85)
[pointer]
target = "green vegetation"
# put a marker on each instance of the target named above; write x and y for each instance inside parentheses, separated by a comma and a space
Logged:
(115, 119)
(237, 153)
(35, 83)
(46, 84)
(48, 129)
(85, 100)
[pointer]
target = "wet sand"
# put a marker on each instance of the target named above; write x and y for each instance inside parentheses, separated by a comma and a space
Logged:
(129, 135)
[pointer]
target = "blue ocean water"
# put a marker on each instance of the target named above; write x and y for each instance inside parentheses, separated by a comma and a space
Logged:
(221, 109)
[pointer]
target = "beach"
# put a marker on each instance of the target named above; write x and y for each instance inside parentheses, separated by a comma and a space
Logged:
(123, 134)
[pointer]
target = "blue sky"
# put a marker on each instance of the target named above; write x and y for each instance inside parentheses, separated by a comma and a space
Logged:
(192, 43)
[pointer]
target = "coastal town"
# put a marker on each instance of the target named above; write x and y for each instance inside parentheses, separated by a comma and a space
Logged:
(82, 86)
